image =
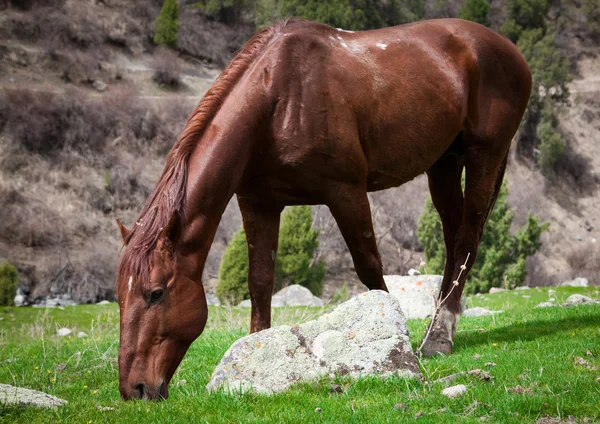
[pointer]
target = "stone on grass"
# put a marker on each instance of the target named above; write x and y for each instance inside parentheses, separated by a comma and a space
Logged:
(545, 305)
(479, 312)
(416, 294)
(212, 299)
(496, 290)
(579, 299)
(413, 272)
(522, 288)
(64, 331)
(577, 282)
(294, 295)
(20, 396)
(366, 335)
(103, 302)
(455, 391)
(81, 335)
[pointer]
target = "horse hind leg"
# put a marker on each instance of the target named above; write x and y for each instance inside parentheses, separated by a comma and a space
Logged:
(352, 212)
(485, 162)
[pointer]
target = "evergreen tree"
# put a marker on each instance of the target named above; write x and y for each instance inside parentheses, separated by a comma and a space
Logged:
(232, 287)
(298, 242)
(9, 278)
(476, 11)
(501, 255)
(167, 24)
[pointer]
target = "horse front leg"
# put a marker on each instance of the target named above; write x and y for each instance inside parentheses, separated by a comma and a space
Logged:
(261, 224)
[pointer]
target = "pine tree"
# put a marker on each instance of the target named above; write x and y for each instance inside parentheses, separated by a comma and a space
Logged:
(167, 24)
(501, 255)
(233, 272)
(298, 241)
(476, 11)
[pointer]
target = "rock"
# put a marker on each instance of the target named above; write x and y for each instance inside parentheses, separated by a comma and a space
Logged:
(294, 295)
(64, 331)
(579, 299)
(522, 288)
(413, 272)
(496, 290)
(455, 391)
(212, 299)
(416, 294)
(364, 336)
(577, 282)
(99, 85)
(103, 302)
(21, 396)
(545, 305)
(479, 312)
(81, 335)
(20, 298)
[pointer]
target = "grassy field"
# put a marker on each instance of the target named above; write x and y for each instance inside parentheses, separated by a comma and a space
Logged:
(534, 349)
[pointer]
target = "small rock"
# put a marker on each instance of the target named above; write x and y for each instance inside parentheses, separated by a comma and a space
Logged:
(318, 410)
(81, 335)
(64, 331)
(496, 290)
(582, 362)
(419, 414)
(412, 272)
(99, 85)
(401, 406)
(579, 299)
(182, 382)
(104, 408)
(212, 299)
(489, 364)
(522, 288)
(479, 312)
(21, 396)
(545, 305)
(294, 295)
(61, 367)
(588, 353)
(525, 296)
(103, 302)
(484, 419)
(336, 388)
(598, 380)
(577, 282)
(455, 391)
(477, 356)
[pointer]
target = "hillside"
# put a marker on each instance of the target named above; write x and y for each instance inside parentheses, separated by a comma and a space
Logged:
(89, 107)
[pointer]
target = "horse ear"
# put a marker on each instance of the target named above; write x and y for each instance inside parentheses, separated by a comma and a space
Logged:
(167, 235)
(125, 233)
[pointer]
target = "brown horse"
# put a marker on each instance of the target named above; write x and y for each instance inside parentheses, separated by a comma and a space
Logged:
(307, 114)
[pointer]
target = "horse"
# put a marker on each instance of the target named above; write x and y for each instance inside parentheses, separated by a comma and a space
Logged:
(309, 114)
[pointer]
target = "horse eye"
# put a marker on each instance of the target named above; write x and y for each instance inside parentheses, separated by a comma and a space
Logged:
(155, 296)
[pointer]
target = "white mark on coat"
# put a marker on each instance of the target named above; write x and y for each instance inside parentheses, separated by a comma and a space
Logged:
(345, 30)
(342, 42)
(130, 282)
(381, 46)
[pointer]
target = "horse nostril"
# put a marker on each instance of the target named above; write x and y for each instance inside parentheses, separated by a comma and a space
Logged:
(139, 391)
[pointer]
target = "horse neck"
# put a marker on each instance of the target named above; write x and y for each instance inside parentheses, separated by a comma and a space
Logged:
(215, 169)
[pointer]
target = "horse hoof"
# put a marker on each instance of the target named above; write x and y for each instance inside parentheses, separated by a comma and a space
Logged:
(437, 347)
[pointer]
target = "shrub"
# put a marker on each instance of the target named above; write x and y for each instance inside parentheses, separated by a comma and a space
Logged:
(501, 255)
(551, 144)
(9, 278)
(476, 11)
(232, 287)
(167, 24)
(298, 242)
(167, 71)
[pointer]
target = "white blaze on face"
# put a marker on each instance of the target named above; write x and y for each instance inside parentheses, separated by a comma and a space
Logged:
(381, 46)
(130, 282)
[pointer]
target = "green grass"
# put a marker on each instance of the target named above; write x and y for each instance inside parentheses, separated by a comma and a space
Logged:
(533, 348)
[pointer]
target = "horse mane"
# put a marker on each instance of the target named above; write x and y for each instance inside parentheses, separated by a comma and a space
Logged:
(169, 194)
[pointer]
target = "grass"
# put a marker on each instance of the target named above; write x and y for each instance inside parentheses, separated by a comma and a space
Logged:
(533, 348)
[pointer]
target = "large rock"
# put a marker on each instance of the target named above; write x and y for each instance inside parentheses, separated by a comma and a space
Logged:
(577, 282)
(363, 336)
(416, 294)
(478, 311)
(294, 295)
(19, 396)
(579, 299)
